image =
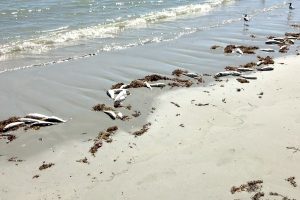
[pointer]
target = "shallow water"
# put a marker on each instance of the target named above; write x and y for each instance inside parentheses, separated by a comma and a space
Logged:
(69, 89)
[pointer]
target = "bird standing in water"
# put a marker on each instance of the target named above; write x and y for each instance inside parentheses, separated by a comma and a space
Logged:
(291, 7)
(246, 19)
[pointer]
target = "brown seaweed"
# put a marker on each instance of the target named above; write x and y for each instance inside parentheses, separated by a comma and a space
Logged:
(297, 35)
(143, 130)
(176, 104)
(292, 181)
(242, 80)
(251, 186)
(179, 72)
(136, 113)
(230, 68)
(258, 195)
(83, 160)
(102, 107)
(215, 47)
(46, 165)
(266, 60)
(103, 136)
(248, 65)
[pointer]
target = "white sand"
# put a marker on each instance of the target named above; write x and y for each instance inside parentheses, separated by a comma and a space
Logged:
(221, 145)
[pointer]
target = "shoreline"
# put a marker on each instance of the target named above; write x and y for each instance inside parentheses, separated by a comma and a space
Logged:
(240, 136)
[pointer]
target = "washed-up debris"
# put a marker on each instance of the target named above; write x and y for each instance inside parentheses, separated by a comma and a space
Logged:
(102, 107)
(227, 73)
(178, 72)
(35, 176)
(229, 48)
(8, 121)
(292, 181)
(9, 137)
(119, 86)
(109, 111)
(215, 47)
(248, 65)
(15, 159)
(244, 69)
(230, 68)
(294, 148)
(265, 69)
(46, 118)
(240, 49)
(30, 120)
(41, 123)
(268, 50)
(280, 195)
(136, 113)
(111, 114)
(143, 130)
(202, 104)
(249, 77)
(295, 35)
(258, 195)
(242, 80)
(191, 75)
(121, 97)
(95, 147)
(148, 85)
(46, 165)
(13, 125)
(283, 49)
(103, 136)
(176, 104)
(83, 160)
(161, 85)
(112, 93)
(181, 125)
(272, 41)
(266, 60)
(251, 186)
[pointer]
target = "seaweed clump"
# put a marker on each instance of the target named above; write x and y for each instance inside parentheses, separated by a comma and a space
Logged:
(245, 49)
(102, 107)
(103, 136)
(143, 130)
(178, 72)
(8, 121)
(46, 165)
(251, 186)
(266, 60)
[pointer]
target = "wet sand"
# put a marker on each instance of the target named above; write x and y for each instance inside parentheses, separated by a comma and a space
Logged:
(247, 132)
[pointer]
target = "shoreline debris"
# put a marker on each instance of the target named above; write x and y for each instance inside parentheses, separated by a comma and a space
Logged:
(46, 165)
(143, 130)
(103, 136)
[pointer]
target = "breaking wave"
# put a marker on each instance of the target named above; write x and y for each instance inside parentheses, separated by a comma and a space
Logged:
(63, 36)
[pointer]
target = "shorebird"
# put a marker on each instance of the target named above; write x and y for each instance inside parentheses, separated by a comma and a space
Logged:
(246, 19)
(291, 7)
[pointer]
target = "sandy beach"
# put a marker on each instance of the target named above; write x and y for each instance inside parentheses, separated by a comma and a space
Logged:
(215, 138)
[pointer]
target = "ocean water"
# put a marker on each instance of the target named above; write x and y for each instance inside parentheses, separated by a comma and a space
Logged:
(34, 33)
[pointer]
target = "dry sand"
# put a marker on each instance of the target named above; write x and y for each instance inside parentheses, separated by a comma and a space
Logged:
(190, 152)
